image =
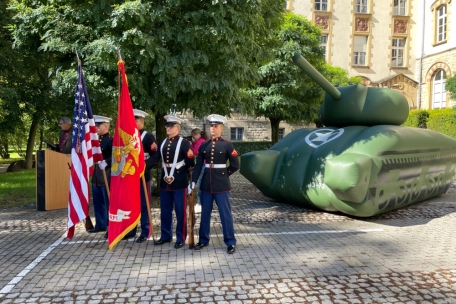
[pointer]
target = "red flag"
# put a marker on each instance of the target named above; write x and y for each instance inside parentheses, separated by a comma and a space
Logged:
(127, 167)
(85, 151)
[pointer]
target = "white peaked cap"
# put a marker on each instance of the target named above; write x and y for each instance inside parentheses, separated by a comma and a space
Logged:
(99, 118)
(139, 113)
(173, 119)
(217, 119)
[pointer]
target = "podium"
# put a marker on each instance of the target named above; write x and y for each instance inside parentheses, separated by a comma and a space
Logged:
(52, 180)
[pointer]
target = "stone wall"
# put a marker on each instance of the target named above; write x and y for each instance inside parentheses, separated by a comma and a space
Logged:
(255, 129)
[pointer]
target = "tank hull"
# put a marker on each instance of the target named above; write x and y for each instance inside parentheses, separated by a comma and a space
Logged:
(360, 171)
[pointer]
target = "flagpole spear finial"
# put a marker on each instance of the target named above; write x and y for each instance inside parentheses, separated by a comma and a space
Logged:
(118, 52)
(77, 56)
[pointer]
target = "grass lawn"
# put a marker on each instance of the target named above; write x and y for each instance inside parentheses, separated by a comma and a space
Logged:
(17, 189)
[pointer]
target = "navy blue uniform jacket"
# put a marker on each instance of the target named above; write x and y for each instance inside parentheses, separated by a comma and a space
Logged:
(106, 150)
(169, 149)
(216, 151)
(150, 147)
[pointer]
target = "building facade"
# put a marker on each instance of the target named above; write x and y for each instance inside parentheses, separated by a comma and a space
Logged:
(437, 53)
(371, 39)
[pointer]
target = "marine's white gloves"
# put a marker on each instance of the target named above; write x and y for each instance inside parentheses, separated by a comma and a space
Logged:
(191, 187)
(102, 165)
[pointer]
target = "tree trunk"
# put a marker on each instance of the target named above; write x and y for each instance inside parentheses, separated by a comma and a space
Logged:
(160, 124)
(31, 143)
(275, 122)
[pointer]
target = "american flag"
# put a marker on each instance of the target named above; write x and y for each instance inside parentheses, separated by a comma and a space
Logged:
(84, 153)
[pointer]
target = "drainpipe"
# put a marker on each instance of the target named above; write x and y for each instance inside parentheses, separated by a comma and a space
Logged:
(421, 57)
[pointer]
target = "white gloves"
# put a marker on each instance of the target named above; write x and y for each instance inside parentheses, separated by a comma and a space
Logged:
(102, 165)
(191, 187)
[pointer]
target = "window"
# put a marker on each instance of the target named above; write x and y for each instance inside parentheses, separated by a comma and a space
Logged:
(321, 5)
(398, 52)
(441, 23)
(361, 6)
(281, 133)
(438, 90)
(237, 134)
(359, 50)
(323, 42)
(399, 7)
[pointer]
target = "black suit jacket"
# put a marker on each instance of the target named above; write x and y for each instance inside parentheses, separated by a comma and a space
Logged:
(66, 148)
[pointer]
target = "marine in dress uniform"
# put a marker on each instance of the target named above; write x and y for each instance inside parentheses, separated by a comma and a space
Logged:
(150, 148)
(215, 184)
(99, 191)
(177, 159)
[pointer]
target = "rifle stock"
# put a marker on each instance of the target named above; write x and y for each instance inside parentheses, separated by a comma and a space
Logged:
(191, 221)
(88, 223)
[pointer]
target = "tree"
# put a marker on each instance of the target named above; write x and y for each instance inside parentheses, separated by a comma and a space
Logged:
(339, 76)
(180, 54)
(450, 86)
(284, 91)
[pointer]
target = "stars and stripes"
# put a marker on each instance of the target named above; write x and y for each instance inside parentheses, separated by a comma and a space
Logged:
(84, 153)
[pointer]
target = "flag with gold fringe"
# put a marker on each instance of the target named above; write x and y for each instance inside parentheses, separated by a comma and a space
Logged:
(127, 167)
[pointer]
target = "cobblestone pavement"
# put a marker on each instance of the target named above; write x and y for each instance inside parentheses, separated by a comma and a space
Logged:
(286, 254)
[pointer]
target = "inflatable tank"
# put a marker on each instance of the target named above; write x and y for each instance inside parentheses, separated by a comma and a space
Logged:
(362, 163)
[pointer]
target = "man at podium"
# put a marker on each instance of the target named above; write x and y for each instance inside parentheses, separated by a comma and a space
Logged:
(64, 144)
(99, 189)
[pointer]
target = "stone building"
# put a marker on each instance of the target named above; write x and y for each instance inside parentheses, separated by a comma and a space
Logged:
(437, 53)
(405, 45)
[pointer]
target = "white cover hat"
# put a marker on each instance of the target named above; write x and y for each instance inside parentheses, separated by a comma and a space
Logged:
(173, 119)
(139, 113)
(99, 118)
(217, 119)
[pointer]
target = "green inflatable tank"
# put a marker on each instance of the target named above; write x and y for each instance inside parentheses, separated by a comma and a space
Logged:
(362, 163)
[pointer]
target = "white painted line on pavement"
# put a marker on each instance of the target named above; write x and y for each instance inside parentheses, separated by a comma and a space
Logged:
(303, 232)
(30, 266)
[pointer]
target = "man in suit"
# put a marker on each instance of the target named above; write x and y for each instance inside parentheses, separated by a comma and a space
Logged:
(177, 160)
(150, 148)
(215, 184)
(64, 144)
(99, 190)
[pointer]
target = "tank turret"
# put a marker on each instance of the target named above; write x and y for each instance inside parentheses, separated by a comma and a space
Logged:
(362, 162)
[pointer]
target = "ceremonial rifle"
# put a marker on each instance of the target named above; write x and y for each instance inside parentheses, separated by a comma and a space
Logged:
(191, 220)
(147, 195)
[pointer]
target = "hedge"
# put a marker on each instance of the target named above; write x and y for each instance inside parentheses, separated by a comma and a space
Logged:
(248, 146)
(440, 120)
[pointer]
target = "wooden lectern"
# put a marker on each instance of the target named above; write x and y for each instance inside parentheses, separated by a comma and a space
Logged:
(52, 180)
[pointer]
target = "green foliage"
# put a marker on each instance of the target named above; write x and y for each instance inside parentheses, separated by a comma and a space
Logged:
(182, 54)
(284, 92)
(443, 120)
(450, 87)
(248, 146)
(417, 119)
(18, 189)
(339, 76)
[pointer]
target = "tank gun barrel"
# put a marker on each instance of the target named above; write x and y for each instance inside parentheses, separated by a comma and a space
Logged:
(304, 65)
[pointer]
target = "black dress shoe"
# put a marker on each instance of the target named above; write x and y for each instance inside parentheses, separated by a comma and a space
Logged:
(95, 230)
(178, 245)
(105, 235)
(128, 237)
(141, 239)
(231, 249)
(161, 242)
(199, 246)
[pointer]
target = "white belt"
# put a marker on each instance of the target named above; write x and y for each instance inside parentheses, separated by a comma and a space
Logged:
(217, 166)
(146, 155)
(178, 165)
